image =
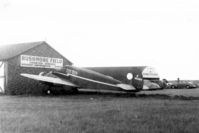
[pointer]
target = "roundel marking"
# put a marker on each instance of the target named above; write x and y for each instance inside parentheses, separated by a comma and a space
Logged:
(129, 76)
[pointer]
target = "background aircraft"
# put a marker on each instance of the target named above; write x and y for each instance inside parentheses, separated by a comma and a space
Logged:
(78, 78)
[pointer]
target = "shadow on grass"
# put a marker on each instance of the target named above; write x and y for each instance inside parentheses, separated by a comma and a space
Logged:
(165, 96)
(113, 95)
(126, 95)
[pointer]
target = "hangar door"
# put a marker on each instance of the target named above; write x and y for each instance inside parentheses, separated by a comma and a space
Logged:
(2, 77)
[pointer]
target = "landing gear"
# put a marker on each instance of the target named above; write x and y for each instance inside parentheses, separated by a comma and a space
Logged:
(187, 86)
(59, 90)
(48, 92)
(172, 87)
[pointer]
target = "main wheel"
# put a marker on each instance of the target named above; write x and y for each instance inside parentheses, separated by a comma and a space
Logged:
(48, 92)
(172, 87)
(187, 86)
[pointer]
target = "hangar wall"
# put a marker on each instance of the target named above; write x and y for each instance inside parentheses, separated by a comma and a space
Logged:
(15, 83)
(2, 77)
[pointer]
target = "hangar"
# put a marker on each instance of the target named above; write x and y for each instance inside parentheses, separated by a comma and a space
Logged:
(33, 57)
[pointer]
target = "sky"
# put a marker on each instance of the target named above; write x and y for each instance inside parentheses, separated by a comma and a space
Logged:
(158, 33)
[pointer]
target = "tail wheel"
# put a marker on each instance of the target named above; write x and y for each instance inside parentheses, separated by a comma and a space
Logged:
(187, 87)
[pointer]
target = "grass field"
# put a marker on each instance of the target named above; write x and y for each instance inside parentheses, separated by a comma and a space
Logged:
(183, 93)
(92, 113)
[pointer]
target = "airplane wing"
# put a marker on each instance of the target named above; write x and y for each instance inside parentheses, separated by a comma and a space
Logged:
(48, 79)
(122, 86)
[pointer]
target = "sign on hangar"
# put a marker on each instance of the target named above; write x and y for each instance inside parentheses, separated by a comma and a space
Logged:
(40, 62)
(33, 58)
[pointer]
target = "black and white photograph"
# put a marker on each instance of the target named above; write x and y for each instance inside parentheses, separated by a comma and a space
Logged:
(108, 66)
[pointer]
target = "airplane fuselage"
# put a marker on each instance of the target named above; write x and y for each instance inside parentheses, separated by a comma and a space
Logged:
(86, 78)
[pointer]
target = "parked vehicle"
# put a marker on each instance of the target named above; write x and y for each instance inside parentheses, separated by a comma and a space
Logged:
(181, 85)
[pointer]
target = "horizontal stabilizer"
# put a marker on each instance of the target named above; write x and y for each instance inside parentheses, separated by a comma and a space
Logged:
(48, 79)
(126, 87)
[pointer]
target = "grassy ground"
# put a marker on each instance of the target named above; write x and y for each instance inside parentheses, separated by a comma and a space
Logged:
(97, 113)
(187, 93)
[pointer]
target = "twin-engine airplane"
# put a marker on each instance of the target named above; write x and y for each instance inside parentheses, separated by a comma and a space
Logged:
(78, 78)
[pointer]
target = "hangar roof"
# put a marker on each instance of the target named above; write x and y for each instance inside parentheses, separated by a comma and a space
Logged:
(10, 51)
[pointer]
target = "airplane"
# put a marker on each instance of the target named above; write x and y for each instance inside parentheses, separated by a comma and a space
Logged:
(81, 78)
(144, 77)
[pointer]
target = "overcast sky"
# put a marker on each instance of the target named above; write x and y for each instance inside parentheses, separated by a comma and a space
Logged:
(159, 33)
